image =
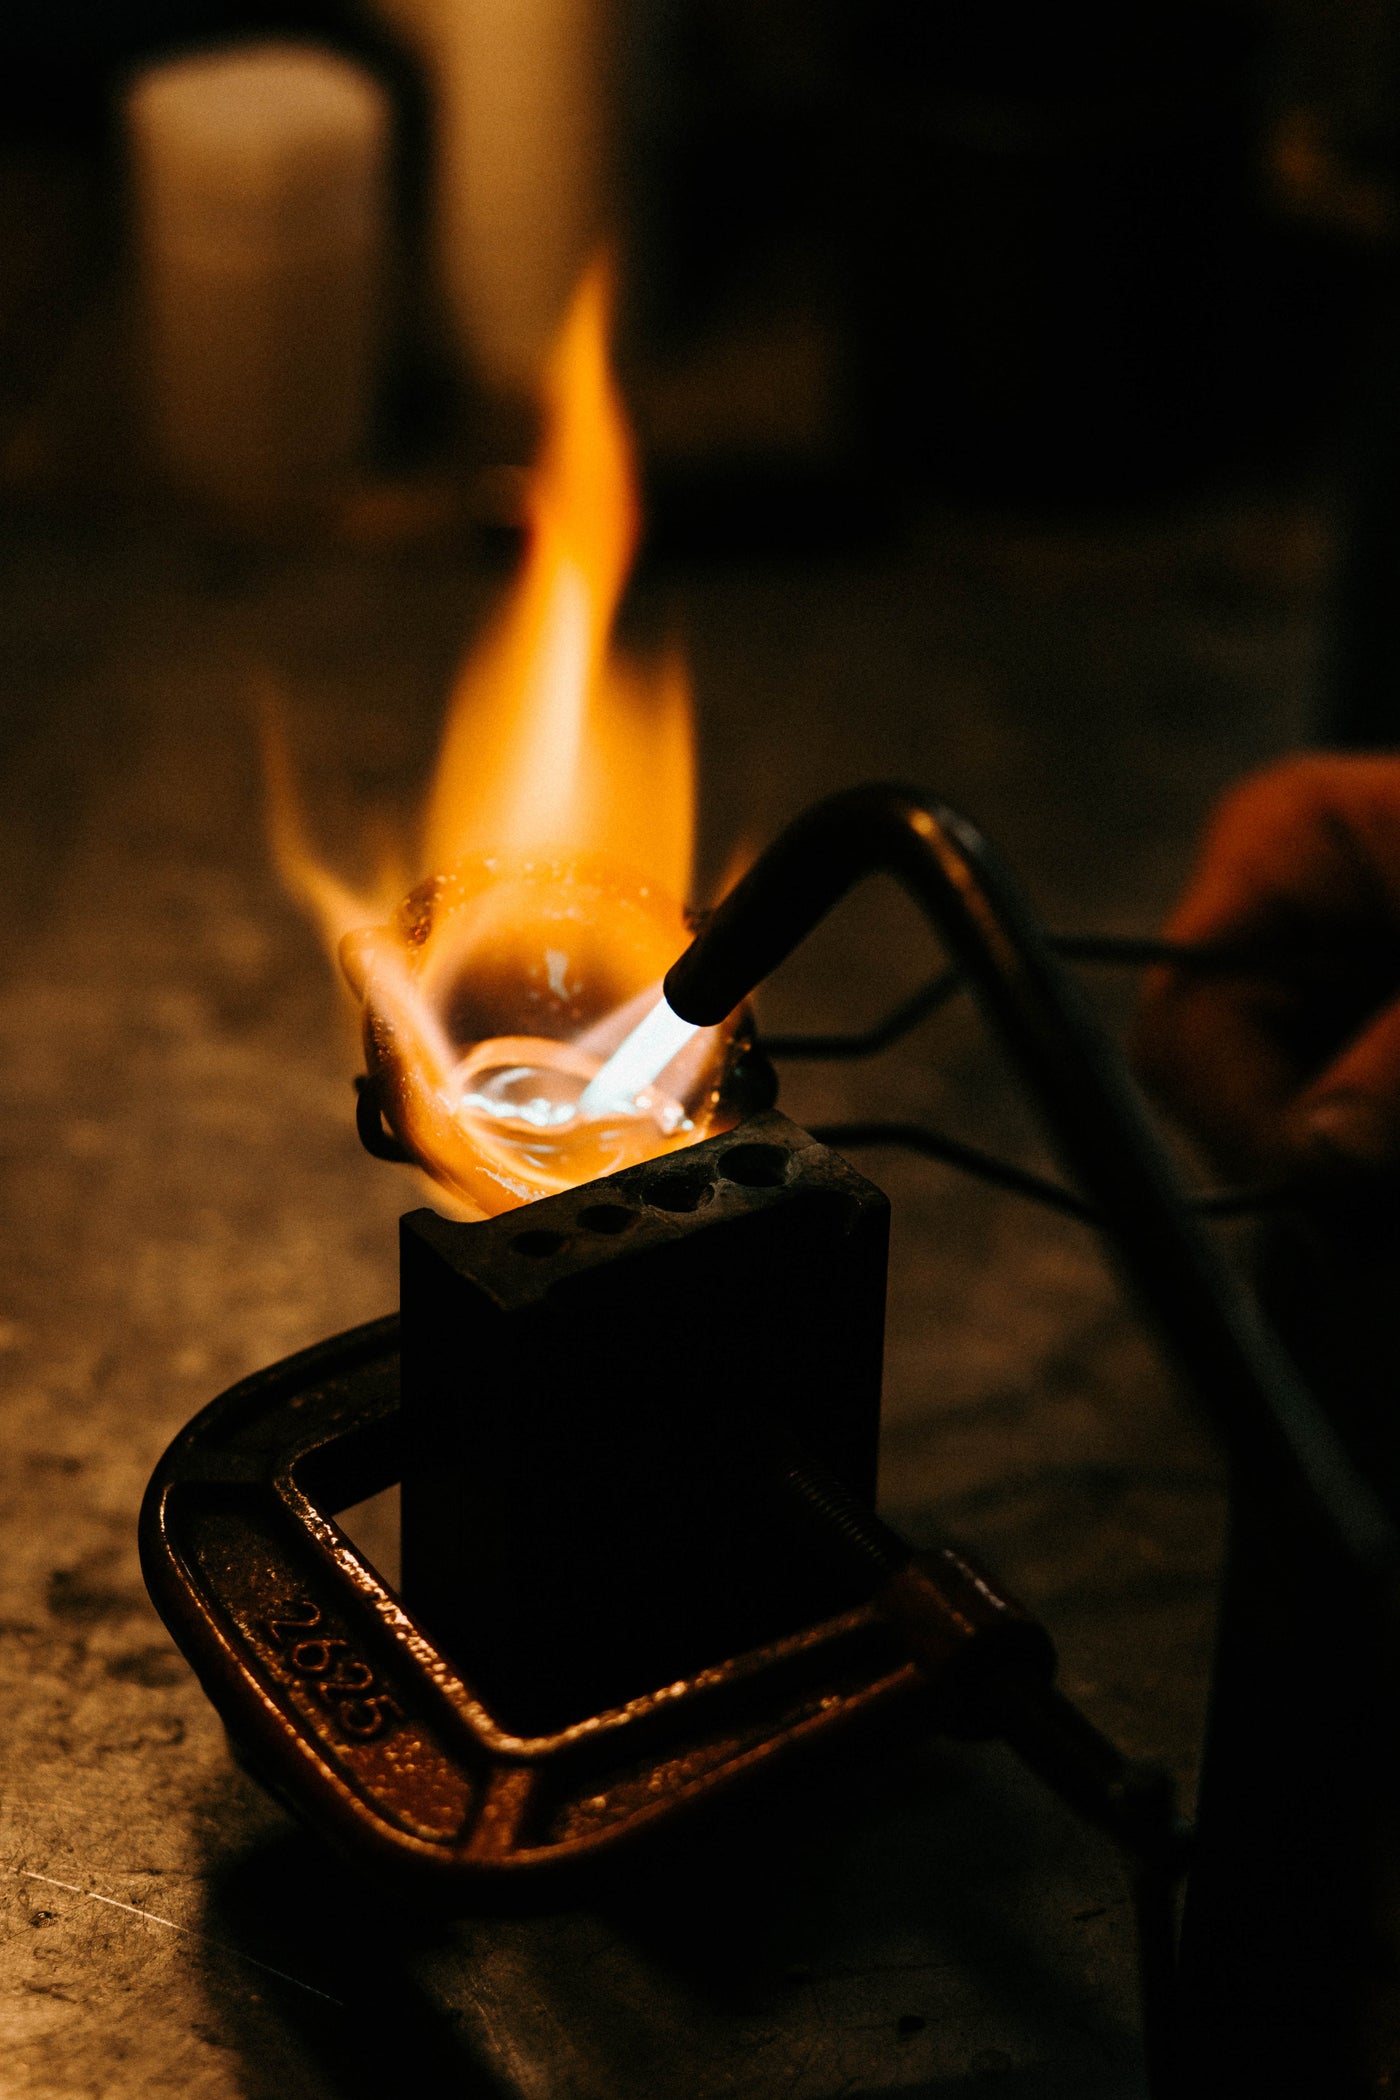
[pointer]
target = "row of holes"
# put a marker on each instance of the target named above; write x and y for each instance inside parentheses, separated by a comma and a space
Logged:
(751, 1166)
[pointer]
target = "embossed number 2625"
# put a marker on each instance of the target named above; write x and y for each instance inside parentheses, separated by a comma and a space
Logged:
(344, 1684)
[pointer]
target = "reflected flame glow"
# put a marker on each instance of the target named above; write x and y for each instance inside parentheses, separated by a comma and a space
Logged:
(559, 832)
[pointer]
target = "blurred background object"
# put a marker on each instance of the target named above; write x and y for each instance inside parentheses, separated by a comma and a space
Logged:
(521, 134)
(259, 196)
(871, 253)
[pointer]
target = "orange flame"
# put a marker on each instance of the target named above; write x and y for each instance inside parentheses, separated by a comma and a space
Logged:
(558, 835)
(553, 742)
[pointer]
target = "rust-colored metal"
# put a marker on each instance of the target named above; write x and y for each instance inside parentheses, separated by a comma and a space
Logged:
(343, 1706)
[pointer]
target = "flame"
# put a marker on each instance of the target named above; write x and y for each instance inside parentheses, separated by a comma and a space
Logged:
(553, 740)
(557, 838)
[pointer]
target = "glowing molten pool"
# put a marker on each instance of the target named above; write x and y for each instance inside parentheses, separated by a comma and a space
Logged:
(499, 992)
(558, 833)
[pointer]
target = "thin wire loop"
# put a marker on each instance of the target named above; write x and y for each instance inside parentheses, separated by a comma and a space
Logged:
(1023, 1181)
(1114, 951)
(1104, 950)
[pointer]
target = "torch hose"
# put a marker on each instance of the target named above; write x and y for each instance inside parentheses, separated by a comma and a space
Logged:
(1267, 1417)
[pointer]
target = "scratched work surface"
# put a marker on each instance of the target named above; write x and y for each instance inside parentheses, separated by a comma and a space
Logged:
(184, 1200)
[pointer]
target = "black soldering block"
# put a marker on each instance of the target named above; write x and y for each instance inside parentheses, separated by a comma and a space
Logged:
(584, 1515)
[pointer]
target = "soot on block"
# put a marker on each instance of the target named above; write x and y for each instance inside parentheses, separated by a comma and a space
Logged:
(586, 1511)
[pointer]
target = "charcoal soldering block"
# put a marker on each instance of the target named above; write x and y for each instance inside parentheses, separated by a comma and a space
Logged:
(584, 1515)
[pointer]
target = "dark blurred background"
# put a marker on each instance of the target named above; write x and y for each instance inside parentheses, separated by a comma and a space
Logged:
(872, 253)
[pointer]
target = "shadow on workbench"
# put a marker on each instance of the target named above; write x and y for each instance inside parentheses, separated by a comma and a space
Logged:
(908, 1924)
(313, 1990)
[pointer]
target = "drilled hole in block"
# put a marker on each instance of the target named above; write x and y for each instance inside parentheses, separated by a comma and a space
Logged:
(755, 1166)
(678, 1192)
(607, 1217)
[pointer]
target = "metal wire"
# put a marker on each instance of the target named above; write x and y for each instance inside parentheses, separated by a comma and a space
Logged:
(377, 1140)
(1023, 1181)
(1118, 951)
(1113, 951)
(870, 1041)
(1110, 950)
(968, 1159)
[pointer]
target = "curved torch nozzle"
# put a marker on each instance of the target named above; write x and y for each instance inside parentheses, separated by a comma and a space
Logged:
(1271, 1423)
